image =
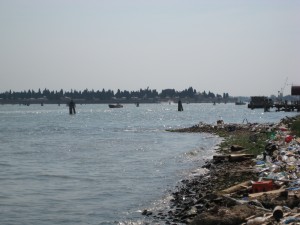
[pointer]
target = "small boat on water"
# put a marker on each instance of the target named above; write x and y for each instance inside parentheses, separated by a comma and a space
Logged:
(240, 103)
(115, 106)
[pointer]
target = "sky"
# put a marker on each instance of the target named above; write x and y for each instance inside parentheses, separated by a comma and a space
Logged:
(240, 47)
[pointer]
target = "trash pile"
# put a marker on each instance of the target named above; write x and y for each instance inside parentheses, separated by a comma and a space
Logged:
(276, 193)
(238, 187)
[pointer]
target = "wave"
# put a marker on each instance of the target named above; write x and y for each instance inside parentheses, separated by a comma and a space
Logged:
(5, 165)
(64, 177)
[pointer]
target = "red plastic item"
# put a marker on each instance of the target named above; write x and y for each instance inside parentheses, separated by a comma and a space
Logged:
(262, 186)
(283, 128)
(288, 138)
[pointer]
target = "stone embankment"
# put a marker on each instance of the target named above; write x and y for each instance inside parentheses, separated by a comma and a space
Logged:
(242, 188)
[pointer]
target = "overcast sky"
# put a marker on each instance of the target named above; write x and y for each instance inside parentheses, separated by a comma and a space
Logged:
(235, 46)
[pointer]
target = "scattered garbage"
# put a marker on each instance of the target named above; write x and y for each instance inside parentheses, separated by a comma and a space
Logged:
(278, 186)
(262, 186)
(243, 188)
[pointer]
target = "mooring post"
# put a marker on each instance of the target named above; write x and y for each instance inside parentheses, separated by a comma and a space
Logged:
(180, 108)
(72, 107)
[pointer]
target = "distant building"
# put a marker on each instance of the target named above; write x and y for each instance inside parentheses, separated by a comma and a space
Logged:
(295, 90)
(259, 102)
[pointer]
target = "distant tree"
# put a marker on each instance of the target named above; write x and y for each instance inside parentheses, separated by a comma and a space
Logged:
(211, 95)
(118, 94)
(225, 95)
(168, 93)
(106, 95)
(46, 93)
(61, 92)
(126, 94)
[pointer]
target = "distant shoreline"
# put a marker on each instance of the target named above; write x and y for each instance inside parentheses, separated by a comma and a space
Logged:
(112, 101)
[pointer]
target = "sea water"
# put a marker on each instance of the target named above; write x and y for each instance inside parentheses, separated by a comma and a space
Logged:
(102, 166)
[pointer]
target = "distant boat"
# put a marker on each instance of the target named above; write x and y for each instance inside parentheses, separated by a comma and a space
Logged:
(240, 103)
(115, 106)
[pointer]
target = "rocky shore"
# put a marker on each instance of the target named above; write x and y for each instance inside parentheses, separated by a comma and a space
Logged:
(224, 195)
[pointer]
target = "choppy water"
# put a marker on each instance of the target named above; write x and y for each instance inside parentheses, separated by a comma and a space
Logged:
(101, 166)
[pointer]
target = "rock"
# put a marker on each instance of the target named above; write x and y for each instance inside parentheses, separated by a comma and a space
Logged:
(146, 212)
(233, 216)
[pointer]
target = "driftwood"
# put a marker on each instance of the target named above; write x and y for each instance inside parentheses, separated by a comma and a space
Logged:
(235, 188)
(268, 193)
(295, 215)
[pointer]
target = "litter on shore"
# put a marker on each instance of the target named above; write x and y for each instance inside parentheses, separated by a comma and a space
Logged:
(274, 197)
(243, 188)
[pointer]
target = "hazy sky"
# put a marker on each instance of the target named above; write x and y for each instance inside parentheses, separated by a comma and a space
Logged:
(243, 47)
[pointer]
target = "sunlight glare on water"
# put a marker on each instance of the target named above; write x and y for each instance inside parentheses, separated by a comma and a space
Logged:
(102, 166)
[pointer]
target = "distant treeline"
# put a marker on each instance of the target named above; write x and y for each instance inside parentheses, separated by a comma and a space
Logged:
(109, 94)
